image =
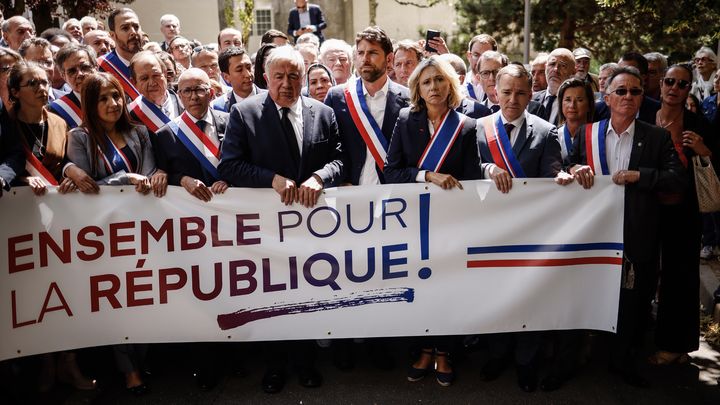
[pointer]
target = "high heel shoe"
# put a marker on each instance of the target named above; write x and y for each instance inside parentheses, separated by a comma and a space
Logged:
(416, 374)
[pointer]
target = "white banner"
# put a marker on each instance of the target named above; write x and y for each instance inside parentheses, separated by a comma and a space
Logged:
(393, 260)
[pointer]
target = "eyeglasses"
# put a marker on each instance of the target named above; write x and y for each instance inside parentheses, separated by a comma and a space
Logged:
(84, 68)
(704, 59)
(36, 83)
(622, 92)
(682, 84)
(201, 91)
(485, 74)
(201, 48)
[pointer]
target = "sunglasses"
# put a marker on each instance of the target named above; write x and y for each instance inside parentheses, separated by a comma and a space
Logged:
(682, 84)
(623, 92)
(201, 48)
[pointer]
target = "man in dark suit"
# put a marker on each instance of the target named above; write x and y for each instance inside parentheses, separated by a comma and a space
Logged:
(641, 157)
(306, 18)
(174, 155)
(533, 150)
(383, 98)
(12, 158)
(156, 105)
(560, 66)
(648, 107)
(282, 140)
(75, 62)
(237, 70)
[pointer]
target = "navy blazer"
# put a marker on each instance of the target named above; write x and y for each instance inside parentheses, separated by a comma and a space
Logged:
(537, 147)
(316, 18)
(409, 140)
(227, 101)
(537, 107)
(12, 156)
(398, 97)
(177, 161)
(654, 156)
(648, 110)
(473, 109)
(255, 148)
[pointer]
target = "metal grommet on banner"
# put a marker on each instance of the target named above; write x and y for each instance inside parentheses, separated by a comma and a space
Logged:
(329, 333)
(427, 330)
(524, 326)
(19, 351)
(121, 190)
(127, 338)
(525, 183)
(229, 337)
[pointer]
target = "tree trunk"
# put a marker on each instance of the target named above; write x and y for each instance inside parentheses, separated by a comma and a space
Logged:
(567, 33)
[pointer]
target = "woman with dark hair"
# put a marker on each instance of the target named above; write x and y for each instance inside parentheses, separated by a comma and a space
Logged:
(692, 104)
(433, 143)
(114, 151)
(319, 79)
(577, 108)
(43, 136)
(678, 326)
(260, 65)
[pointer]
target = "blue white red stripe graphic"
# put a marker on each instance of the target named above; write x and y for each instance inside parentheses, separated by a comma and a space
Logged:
(112, 64)
(365, 123)
(595, 147)
(114, 158)
(498, 142)
(68, 107)
(149, 113)
(205, 149)
(545, 255)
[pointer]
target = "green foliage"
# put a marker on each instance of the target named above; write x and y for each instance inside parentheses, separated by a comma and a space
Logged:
(243, 13)
(46, 12)
(607, 27)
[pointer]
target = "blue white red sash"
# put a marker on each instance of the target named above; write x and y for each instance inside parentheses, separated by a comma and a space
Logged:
(114, 158)
(149, 113)
(442, 141)
(35, 168)
(68, 107)
(471, 91)
(365, 123)
(498, 141)
(112, 64)
(566, 140)
(205, 149)
(595, 147)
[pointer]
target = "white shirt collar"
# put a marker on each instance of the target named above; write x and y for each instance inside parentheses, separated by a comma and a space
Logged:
(630, 130)
(207, 117)
(77, 95)
(517, 122)
(296, 108)
(237, 96)
(383, 90)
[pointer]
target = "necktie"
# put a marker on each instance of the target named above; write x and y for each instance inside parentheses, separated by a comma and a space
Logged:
(549, 108)
(290, 135)
(495, 108)
(201, 124)
(508, 129)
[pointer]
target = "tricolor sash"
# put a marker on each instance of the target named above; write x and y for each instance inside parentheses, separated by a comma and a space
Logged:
(114, 158)
(365, 123)
(149, 113)
(567, 141)
(442, 141)
(595, 147)
(35, 168)
(112, 64)
(471, 91)
(498, 141)
(205, 149)
(68, 107)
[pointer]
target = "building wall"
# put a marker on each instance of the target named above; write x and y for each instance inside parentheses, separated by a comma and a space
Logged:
(198, 19)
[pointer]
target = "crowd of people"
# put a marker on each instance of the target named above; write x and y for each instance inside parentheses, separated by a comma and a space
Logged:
(87, 105)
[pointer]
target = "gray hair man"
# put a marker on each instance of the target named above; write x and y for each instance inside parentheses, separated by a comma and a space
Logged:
(560, 66)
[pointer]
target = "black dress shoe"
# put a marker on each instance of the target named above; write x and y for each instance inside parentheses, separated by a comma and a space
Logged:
(492, 369)
(206, 381)
(273, 381)
(343, 357)
(551, 382)
(527, 378)
(308, 377)
(630, 376)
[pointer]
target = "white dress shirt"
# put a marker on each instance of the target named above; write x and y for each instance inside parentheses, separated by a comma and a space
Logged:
(618, 148)
(376, 105)
(169, 107)
(210, 129)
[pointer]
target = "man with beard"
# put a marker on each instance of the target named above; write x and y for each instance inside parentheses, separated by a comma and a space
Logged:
(124, 26)
(366, 110)
(560, 66)
(156, 105)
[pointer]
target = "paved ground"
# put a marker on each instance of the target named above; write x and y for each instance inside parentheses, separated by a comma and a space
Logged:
(172, 382)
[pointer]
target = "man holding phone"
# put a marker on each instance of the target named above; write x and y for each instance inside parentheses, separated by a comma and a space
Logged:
(306, 18)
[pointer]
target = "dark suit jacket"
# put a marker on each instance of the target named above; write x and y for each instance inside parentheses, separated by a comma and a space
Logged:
(173, 157)
(255, 148)
(12, 157)
(473, 109)
(654, 156)
(537, 147)
(355, 149)
(648, 110)
(409, 140)
(537, 108)
(316, 18)
(227, 100)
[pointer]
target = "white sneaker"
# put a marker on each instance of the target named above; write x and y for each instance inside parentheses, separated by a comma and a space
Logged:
(706, 252)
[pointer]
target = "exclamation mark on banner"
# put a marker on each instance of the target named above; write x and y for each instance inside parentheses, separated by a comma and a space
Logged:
(425, 272)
